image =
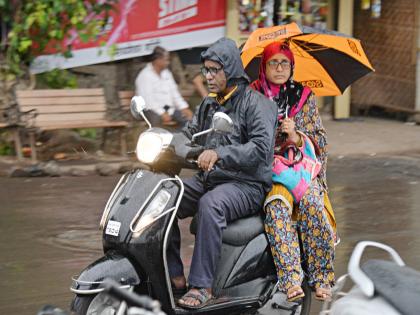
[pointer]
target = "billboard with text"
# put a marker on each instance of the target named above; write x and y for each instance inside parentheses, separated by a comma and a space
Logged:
(137, 26)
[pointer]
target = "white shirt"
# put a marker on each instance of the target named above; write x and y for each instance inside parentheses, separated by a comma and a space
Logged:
(159, 90)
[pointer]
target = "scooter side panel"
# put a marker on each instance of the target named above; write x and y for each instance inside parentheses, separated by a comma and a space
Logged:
(255, 261)
(243, 265)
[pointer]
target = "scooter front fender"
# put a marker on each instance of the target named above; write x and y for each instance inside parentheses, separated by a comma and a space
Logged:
(112, 265)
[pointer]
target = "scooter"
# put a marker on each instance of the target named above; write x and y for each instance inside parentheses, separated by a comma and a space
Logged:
(136, 225)
(130, 303)
(381, 287)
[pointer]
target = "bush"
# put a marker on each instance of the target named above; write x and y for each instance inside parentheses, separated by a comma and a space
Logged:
(89, 133)
(6, 148)
(57, 79)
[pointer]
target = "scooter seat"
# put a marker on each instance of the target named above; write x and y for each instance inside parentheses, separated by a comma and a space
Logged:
(238, 232)
(398, 285)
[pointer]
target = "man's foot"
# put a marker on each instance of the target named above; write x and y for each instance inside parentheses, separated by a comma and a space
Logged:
(179, 286)
(295, 293)
(179, 282)
(196, 298)
(323, 294)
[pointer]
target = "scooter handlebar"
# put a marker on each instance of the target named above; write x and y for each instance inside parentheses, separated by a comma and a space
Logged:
(113, 289)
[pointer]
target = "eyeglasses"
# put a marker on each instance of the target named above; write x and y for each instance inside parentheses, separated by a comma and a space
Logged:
(274, 64)
(212, 70)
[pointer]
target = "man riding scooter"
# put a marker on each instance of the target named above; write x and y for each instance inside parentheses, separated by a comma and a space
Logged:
(235, 170)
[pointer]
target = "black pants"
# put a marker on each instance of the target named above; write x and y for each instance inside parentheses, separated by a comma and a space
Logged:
(216, 207)
(156, 120)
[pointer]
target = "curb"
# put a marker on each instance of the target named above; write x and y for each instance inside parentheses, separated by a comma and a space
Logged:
(53, 169)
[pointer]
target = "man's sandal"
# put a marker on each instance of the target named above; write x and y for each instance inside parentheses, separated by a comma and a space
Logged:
(295, 293)
(202, 296)
(323, 294)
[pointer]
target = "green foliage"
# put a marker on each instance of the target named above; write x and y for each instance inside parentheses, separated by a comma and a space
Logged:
(87, 133)
(5, 147)
(58, 79)
(32, 27)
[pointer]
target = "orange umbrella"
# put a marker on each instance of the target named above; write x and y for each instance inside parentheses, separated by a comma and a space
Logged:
(326, 61)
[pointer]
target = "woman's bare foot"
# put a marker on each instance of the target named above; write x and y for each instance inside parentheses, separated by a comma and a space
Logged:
(323, 294)
(295, 293)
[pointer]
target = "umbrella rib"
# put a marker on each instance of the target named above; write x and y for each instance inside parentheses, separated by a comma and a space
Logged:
(299, 50)
(302, 44)
(314, 35)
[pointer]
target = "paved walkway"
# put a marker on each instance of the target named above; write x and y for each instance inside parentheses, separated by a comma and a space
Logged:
(370, 136)
(357, 136)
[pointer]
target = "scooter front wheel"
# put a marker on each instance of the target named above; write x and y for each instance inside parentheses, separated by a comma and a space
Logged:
(98, 304)
(80, 303)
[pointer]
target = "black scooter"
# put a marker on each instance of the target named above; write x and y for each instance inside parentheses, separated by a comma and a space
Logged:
(136, 225)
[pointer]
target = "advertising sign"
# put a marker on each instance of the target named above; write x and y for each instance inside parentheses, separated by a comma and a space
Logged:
(137, 26)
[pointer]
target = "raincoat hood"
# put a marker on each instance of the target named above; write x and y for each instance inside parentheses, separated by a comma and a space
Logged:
(225, 52)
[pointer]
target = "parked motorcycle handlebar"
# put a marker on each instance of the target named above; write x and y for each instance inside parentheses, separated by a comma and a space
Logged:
(113, 289)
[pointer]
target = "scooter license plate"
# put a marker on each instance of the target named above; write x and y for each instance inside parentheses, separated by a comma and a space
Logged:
(113, 228)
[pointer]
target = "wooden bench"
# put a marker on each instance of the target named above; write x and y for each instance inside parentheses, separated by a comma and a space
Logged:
(125, 100)
(67, 109)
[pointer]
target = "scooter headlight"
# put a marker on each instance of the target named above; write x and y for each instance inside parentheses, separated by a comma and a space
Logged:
(152, 212)
(148, 147)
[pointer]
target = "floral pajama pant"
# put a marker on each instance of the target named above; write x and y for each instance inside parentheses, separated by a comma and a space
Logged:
(316, 235)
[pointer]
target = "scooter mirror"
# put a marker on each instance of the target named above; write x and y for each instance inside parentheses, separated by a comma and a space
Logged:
(222, 123)
(137, 108)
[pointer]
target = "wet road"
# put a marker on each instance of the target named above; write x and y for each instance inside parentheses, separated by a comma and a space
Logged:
(49, 226)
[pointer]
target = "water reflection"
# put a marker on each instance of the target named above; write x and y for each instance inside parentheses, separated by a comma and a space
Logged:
(49, 226)
(77, 239)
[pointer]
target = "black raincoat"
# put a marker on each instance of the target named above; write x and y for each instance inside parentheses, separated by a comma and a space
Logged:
(246, 155)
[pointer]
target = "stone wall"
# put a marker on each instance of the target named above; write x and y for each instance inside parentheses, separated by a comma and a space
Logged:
(120, 75)
(112, 76)
(391, 45)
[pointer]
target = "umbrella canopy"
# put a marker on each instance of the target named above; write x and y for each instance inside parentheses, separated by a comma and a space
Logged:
(326, 61)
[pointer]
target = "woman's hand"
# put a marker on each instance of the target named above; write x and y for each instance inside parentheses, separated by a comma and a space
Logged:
(288, 126)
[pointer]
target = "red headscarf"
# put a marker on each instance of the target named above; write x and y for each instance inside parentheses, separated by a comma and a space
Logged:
(262, 84)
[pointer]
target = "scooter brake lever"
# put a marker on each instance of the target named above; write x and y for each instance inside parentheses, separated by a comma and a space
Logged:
(192, 161)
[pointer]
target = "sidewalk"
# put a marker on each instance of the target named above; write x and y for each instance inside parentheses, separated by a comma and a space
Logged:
(360, 136)
(371, 136)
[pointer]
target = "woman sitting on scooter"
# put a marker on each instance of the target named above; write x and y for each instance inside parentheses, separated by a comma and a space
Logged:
(299, 181)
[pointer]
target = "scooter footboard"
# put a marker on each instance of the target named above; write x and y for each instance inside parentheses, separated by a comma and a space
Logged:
(113, 266)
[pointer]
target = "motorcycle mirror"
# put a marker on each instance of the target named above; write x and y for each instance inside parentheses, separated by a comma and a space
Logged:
(222, 123)
(137, 108)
